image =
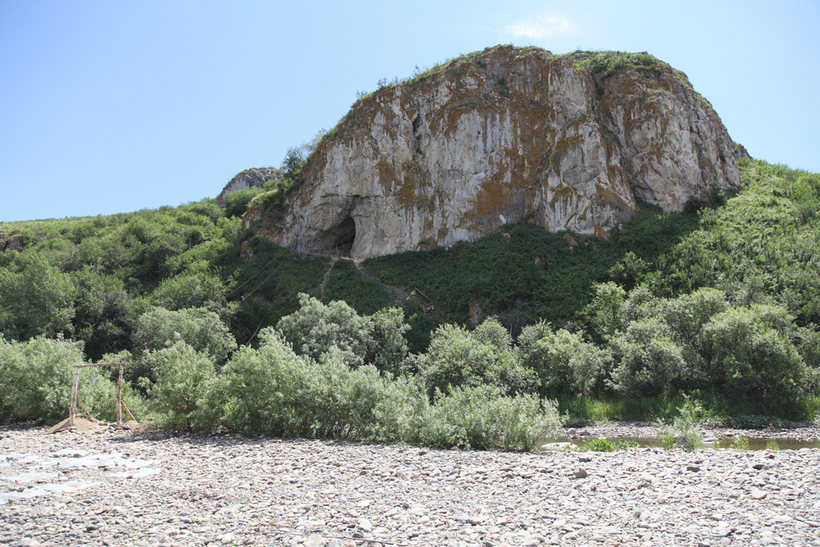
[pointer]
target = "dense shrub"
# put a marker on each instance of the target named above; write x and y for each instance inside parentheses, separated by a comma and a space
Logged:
(483, 417)
(458, 357)
(200, 328)
(259, 388)
(191, 290)
(37, 300)
(36, 379)
(389, 345)
(564, 362)
(237, 202)
(750, 354)
(272, 390)
(184, 377)
(316, 328)
(648, 360)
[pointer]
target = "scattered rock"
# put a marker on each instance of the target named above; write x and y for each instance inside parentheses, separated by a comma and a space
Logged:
(221, 491)
(315, 540)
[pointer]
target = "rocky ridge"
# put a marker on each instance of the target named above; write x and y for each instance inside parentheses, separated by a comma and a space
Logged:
(249, 178)
(571, 142)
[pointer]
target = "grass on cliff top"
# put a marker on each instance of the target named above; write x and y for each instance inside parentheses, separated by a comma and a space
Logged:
(604, 64)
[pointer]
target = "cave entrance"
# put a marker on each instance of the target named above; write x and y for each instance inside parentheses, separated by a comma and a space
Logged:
(339, 239)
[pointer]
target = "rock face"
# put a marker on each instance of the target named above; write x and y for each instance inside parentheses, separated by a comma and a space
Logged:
(249, 178)
(506, 135)
(10, 241)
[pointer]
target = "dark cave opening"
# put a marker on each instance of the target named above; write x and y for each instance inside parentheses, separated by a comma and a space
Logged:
(340, 238)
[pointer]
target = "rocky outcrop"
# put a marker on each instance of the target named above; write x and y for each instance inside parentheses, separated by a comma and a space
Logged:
(506, 135)
(9, 241)
(249, 178)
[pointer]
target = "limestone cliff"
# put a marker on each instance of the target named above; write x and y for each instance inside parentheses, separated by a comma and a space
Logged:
(500, 136)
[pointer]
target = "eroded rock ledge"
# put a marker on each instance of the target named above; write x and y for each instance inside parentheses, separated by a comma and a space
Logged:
(570, 142)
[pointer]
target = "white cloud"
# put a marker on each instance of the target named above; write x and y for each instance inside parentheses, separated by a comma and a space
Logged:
(540, 26)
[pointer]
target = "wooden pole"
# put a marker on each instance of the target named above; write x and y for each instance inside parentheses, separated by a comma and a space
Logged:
(119, 399)
(73, 408)
(87, 413)
(128, 411)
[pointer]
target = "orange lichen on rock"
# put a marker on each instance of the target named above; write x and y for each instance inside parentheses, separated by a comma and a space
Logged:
(501, 136)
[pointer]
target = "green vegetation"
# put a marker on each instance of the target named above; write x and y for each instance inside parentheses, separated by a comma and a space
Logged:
(709, 315)
(607, 445)
(603, 64)
(683, 431)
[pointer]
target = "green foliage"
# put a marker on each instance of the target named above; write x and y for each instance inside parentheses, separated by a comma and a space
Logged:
(388, 348)
(236, 203)
(184, 377)
(771, 444)
(317, 330)
(751, 354)
(697, 340)
(199, 328)
(684, 431)
(760, 247)
(36, 378)
(483, 417)
(346, 283)
(721, 301)
(272, 390)
(607, 445)
(267, 287)
(605, 64)
(192, 290)
(648, 360)
(605, 309)
(105, 314)
(39, 300)
(564, 362)
(457, 357)
(666, 440)
(740, 443)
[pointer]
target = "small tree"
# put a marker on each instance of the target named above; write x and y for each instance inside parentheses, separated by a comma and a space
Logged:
(39, 300)
(183, 378)
(648, 360)
(316, 328)
(563, 361)
(200, 328)
(751, 354)
(458, 357)
(605, 309)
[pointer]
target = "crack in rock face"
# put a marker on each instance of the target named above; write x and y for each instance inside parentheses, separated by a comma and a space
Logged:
(502, 136)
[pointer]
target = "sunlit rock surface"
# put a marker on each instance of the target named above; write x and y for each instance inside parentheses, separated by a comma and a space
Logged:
(502, 136)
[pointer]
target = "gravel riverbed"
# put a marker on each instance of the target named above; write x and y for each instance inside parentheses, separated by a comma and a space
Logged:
(149, 489)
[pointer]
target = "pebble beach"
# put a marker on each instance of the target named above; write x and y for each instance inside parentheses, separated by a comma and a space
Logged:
(119, 487)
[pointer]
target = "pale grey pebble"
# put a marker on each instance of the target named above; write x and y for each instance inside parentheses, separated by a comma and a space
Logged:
(221, 491)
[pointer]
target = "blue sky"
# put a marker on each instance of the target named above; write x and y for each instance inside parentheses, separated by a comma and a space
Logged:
(115, 106)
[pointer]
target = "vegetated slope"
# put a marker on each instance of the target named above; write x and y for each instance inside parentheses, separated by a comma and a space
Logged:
(92, 278)
(762, 246)
(570, 142)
